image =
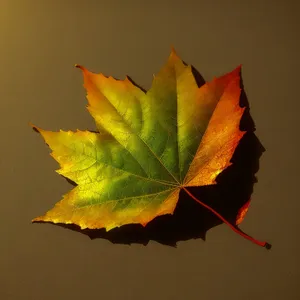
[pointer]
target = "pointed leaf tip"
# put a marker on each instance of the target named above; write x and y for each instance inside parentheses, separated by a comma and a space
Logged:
(173, 55)
(239, 67)
(35, 128)
(173, 50)
(80, 67)
(237, 70)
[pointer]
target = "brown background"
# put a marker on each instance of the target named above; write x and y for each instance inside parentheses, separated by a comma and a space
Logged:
(40, 43)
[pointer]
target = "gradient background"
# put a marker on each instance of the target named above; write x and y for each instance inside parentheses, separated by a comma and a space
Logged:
(40, 43)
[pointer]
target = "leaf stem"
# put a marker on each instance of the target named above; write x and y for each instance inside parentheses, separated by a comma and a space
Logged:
(234, 228)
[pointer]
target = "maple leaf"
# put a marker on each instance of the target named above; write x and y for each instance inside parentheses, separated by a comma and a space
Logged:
(150, 145)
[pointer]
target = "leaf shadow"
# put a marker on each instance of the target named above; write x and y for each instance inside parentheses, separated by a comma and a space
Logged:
(190, 220)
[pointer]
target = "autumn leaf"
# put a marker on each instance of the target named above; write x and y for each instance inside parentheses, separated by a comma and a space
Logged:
(150, 146)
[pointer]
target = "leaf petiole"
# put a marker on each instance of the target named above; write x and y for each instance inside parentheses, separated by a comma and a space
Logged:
(234, 228)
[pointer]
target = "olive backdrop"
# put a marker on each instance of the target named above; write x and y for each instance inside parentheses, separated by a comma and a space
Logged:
(41, 41)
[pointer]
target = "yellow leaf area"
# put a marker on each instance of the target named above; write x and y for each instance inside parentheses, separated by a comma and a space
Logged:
(150, 145)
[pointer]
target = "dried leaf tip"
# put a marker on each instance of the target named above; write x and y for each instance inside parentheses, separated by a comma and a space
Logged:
(79, 67)
(35, 128)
